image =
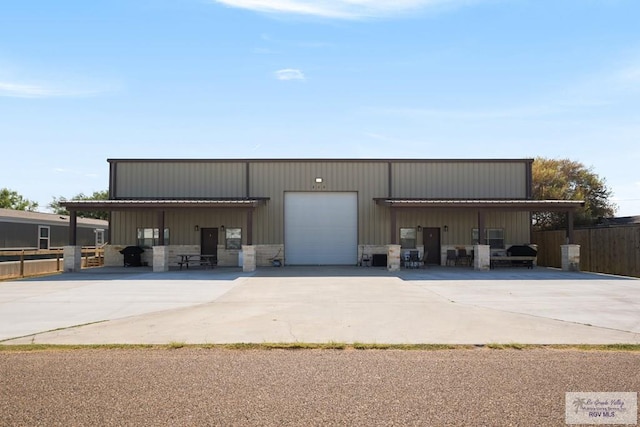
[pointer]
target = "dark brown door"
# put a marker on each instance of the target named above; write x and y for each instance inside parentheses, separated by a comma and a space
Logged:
(431, 239)
(209, 241)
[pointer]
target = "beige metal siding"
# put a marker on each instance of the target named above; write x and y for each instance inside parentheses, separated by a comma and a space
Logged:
(370, 179)
(125, 225)
(180, 179)
(181, 224)
(459, 180)
(273, 179)
(461, 223)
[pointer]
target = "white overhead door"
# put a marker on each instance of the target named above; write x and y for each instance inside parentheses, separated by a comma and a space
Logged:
(321, 228)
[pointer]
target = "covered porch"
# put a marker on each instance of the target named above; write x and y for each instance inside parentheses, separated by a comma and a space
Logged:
(479, 210)
(188, 238)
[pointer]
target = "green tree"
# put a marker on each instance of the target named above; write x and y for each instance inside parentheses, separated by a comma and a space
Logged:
(564, 179)
(97, 195)
(12, 200)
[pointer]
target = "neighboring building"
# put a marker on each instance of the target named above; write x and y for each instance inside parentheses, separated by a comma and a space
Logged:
(618, 221)
(316, 212)
(36, 230)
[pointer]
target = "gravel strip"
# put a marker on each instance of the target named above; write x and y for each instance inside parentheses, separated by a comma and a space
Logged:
(190, 386)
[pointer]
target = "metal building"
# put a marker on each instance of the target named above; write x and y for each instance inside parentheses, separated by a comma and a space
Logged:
(317, 211)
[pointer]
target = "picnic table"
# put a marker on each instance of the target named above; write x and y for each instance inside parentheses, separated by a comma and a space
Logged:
(197, 259)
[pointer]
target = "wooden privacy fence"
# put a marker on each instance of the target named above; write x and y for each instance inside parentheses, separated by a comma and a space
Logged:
(34, 262)
(612, 250)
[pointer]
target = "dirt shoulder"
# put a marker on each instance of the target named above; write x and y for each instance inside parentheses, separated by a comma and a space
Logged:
(200, 386)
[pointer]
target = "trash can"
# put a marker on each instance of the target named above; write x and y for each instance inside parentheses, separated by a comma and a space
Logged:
(379, 260)
(132, 257)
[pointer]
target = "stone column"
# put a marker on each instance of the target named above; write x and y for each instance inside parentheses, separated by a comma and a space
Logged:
(248, 258)
(72, 258)
(481, 257)
(393, 257)
(160, 258)
(570, 257)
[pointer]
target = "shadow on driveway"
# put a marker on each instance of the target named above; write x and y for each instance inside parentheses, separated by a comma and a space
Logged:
(233, 273)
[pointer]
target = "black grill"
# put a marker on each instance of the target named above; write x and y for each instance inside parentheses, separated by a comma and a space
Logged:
(521, 250)
(132, 256)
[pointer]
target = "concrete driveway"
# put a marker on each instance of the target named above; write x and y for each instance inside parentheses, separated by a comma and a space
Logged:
(321, 304)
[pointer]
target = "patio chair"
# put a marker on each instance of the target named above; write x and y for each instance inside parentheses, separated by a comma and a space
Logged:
(365, 261)
(452, 257)
(405, 260)
(414, 259)
(463, 257)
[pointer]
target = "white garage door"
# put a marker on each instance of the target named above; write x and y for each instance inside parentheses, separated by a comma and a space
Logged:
(321, 228)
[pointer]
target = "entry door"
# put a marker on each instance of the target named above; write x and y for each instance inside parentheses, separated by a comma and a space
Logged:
(431, 239)
(209, 241)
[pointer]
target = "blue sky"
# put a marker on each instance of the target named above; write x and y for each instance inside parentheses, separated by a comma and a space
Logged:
(83, 81)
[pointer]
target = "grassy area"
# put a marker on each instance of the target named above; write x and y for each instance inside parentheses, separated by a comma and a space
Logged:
(319, 346)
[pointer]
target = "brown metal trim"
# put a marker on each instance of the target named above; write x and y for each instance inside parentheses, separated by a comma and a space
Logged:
(519, 205)
(113, 168)
(121, 205)
(247, 177)
(394, 234)
(481, 227)
(570, 234)
(73, 228)
(109, 228)
(390, 179)
(160, 228)
(325, 160)
(250, 227)
(529, 180)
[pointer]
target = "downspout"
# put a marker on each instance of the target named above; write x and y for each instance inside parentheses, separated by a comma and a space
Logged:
(392, 234)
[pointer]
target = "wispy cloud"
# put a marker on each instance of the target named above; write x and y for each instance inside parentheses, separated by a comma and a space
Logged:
(20, 90)
(289, 74)
(265, 51)
(28, 90)
(339, 9)
(629, 75)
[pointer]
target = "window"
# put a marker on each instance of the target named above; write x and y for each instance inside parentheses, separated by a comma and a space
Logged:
(233, 238)
(99, 236)
(43, 237)
(494, 237)
(408, 238)
(148, 237)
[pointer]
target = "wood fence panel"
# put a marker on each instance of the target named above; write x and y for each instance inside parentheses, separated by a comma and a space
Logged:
(583, 238)
(51, 261)
(549, 247)
(611, 250)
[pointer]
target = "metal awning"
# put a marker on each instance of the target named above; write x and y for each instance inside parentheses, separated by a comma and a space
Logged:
(155, 204)
(520, 205)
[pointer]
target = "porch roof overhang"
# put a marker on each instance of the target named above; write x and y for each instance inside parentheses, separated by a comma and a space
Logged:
(500, 204)
(163, 204)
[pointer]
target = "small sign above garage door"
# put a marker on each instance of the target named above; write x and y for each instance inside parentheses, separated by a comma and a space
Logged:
(321, 228)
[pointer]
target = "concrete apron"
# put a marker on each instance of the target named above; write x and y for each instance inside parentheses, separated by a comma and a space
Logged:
(353, 305)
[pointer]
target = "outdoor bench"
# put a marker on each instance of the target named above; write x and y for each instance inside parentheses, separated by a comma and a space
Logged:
(510, 261)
